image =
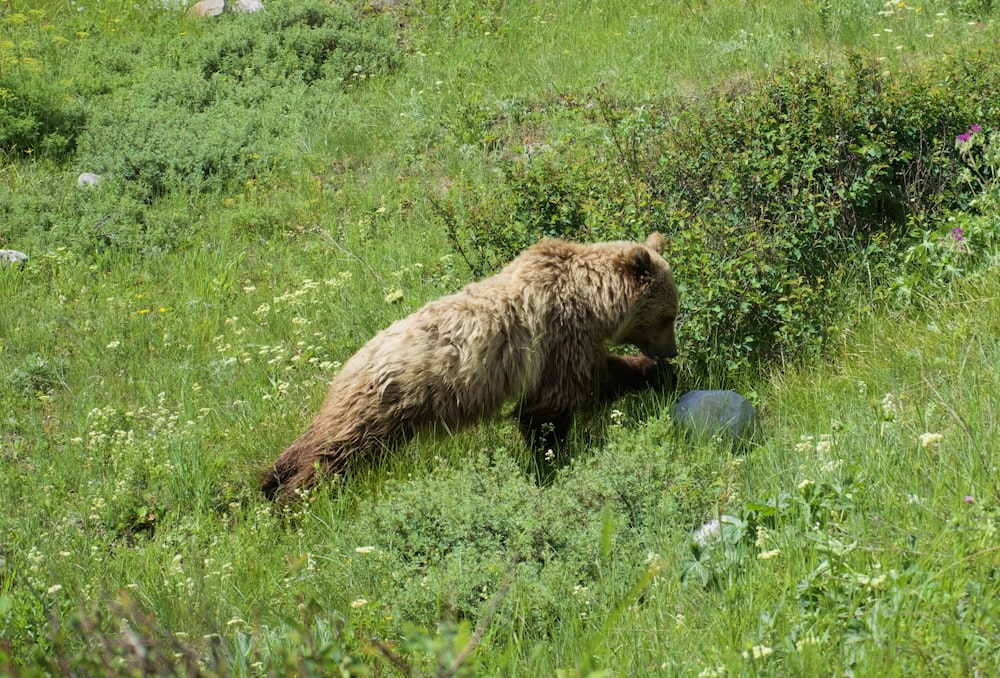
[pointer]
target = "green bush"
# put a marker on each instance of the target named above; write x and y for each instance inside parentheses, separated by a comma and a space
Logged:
(37, 375)
(772, 195)
(184, 116)
(458, 529)
(163, 147)
(219, 114)
(38, 117)
(309, 41)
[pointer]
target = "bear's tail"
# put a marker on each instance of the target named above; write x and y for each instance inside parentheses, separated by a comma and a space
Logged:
(300, 465)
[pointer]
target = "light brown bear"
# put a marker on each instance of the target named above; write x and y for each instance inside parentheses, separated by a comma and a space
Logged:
(536, 332)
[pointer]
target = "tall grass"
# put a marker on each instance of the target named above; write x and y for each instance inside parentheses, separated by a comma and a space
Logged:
(162, 346)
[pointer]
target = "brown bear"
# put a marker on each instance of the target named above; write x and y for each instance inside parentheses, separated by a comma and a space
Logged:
(535, 332)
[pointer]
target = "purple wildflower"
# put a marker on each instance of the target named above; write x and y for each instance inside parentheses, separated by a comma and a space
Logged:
(958, 235)
(968, 499)
(965, 137)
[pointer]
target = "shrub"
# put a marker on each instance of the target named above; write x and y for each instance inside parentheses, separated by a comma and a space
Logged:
(162, 147)
(184, 115)
(38, 117)
(458, 529)
(309, 41)
(965, 240)
(37, 375)
(772, 195)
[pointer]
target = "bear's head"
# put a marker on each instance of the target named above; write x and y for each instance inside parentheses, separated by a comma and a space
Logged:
(650, 323)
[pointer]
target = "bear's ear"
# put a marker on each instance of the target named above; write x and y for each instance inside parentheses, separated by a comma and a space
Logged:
(641, 263)
(655, 242)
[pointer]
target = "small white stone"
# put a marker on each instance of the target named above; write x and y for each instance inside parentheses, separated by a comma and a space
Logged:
(13, 258)
(88, 180)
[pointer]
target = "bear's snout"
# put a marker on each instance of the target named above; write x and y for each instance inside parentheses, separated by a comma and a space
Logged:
(659, 350)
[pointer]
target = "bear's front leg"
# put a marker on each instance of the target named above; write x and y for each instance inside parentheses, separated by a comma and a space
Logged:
(625, 373)
(546, 413)
(544, 428)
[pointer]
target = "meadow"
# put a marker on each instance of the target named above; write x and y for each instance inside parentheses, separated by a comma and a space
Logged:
(277, 187)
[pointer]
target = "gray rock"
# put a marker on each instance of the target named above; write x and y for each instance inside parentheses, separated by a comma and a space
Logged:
(13, 258)
(207, 8)
(716, 413)
(88, 180)
(248, 6)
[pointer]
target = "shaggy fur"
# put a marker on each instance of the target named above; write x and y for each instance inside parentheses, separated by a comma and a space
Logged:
(535, 332)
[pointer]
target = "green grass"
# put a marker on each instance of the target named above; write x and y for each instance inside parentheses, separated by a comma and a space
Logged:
(167, 340)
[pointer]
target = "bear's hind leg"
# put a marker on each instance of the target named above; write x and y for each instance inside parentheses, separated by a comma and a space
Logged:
(298, 465)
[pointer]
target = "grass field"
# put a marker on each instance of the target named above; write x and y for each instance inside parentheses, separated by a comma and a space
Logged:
(275, 188)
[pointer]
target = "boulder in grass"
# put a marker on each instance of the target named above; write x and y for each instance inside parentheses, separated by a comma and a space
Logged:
(88, 180)
(207, 8)
(709, 414)
(248, 6)
(13, 258)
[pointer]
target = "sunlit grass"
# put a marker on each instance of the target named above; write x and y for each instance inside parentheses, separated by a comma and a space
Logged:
(143, 393)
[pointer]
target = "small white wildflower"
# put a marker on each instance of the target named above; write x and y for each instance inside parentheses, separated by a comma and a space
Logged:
(806, 641)
(888, 405)
(805, 445)
(758, 652)
(930, 440)
(712, 672)
(706, 533)
(805, 484)
(831, 466)
(360, 602)
(55, 588)
(767, 555)
(114, 344)
(617, 417)
(364, 549)
(234, 621)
